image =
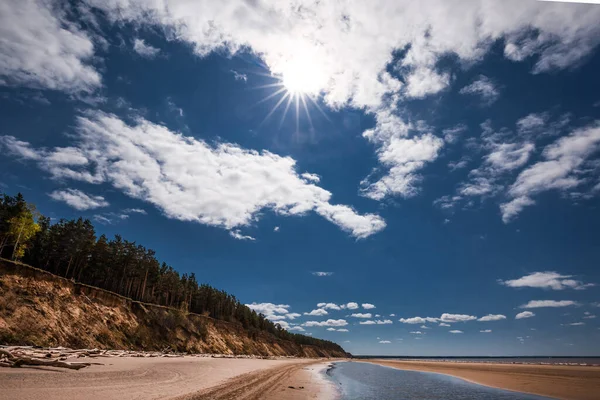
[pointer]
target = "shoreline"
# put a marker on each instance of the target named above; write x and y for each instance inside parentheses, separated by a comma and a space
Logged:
(554, 381)
(181, 378)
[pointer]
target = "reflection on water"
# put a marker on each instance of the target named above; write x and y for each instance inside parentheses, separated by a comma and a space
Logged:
(363, 381)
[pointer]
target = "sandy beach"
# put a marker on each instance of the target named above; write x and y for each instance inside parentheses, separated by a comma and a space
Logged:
(557, 381)
(184, 378)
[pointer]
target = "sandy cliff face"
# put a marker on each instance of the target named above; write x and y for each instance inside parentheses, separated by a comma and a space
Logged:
(38, 308)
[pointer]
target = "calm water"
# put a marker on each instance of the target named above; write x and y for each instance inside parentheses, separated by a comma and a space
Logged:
(362, 381)
(504, 360)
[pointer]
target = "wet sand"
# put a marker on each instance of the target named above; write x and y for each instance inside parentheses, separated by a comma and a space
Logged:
(556, 381)
(185, 378)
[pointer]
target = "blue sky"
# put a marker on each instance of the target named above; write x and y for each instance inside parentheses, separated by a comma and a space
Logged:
(436, 171)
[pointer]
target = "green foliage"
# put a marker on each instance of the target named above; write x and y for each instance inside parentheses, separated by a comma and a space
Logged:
(18, 225)
(69, 248)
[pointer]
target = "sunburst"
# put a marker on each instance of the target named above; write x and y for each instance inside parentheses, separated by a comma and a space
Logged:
(299, 83)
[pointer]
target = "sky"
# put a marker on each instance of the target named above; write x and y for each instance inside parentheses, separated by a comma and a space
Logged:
(402, 178)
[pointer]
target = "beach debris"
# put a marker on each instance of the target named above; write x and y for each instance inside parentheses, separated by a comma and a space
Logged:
(16, 360)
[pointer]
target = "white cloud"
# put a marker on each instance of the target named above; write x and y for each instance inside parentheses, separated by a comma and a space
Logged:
(350, 44)
(559, 170)
(460, 164)
(418, 320)
(483, 87)
(331, 329)
(297, 328)
(547, 280)
(236, 234)
(376, 322)
(276, 229)
(456, 331)
(450, 318)
(416, 332)
(423, 82)
(444, 324)
(352, 306)
(361, 315)
(144, 50)
(188, 179)
(42, 49)
(292, 316)
(524, 314)
(576, 324)
(343, 330)
(311, 177)
(392, 315)
(319, 312)
(135, 211)
(549, 303)
(532, 124)
(367, 306)
(239, 76)
(486, 331)
(329, 306)
(492, 317)
(269, 308)
(79, 200)
(424, 327)
(384, 341)
(451, 135)
(322, 273)
(401, 155)
(329, 322)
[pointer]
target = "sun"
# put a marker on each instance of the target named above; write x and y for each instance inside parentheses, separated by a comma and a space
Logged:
(300, 80)
(302, 76)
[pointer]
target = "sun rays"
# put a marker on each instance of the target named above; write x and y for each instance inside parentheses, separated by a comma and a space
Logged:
(298, 84)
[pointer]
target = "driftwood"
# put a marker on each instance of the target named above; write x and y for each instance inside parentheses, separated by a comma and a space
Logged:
(8, 359)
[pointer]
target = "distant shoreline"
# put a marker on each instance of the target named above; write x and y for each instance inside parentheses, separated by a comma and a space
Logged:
(571, 382)
(589, 361)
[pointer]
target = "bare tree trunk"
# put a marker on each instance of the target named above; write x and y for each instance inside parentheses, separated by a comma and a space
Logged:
(17, 242)
(144, 284)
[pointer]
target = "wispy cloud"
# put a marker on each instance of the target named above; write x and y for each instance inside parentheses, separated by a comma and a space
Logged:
(322, 273)
(144, 49)
(191, 169)
(237, 234)
(524, 314)
(455, 331)
(483, 87)
(560, 169)
(549, 303)
(547, 280)
(78, 199)
(319, 312)
(329, 322)
(361, 315)
(492, 317)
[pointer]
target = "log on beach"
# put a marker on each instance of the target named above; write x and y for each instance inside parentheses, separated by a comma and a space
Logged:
(15, 360)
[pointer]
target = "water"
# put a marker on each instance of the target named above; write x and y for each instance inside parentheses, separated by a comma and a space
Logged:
(363, 381)
(503, 360)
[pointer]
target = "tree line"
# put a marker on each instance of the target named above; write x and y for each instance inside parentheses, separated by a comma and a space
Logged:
(71, 249)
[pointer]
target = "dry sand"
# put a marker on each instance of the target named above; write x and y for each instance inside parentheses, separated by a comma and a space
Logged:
(170, 378)
(557, 381)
